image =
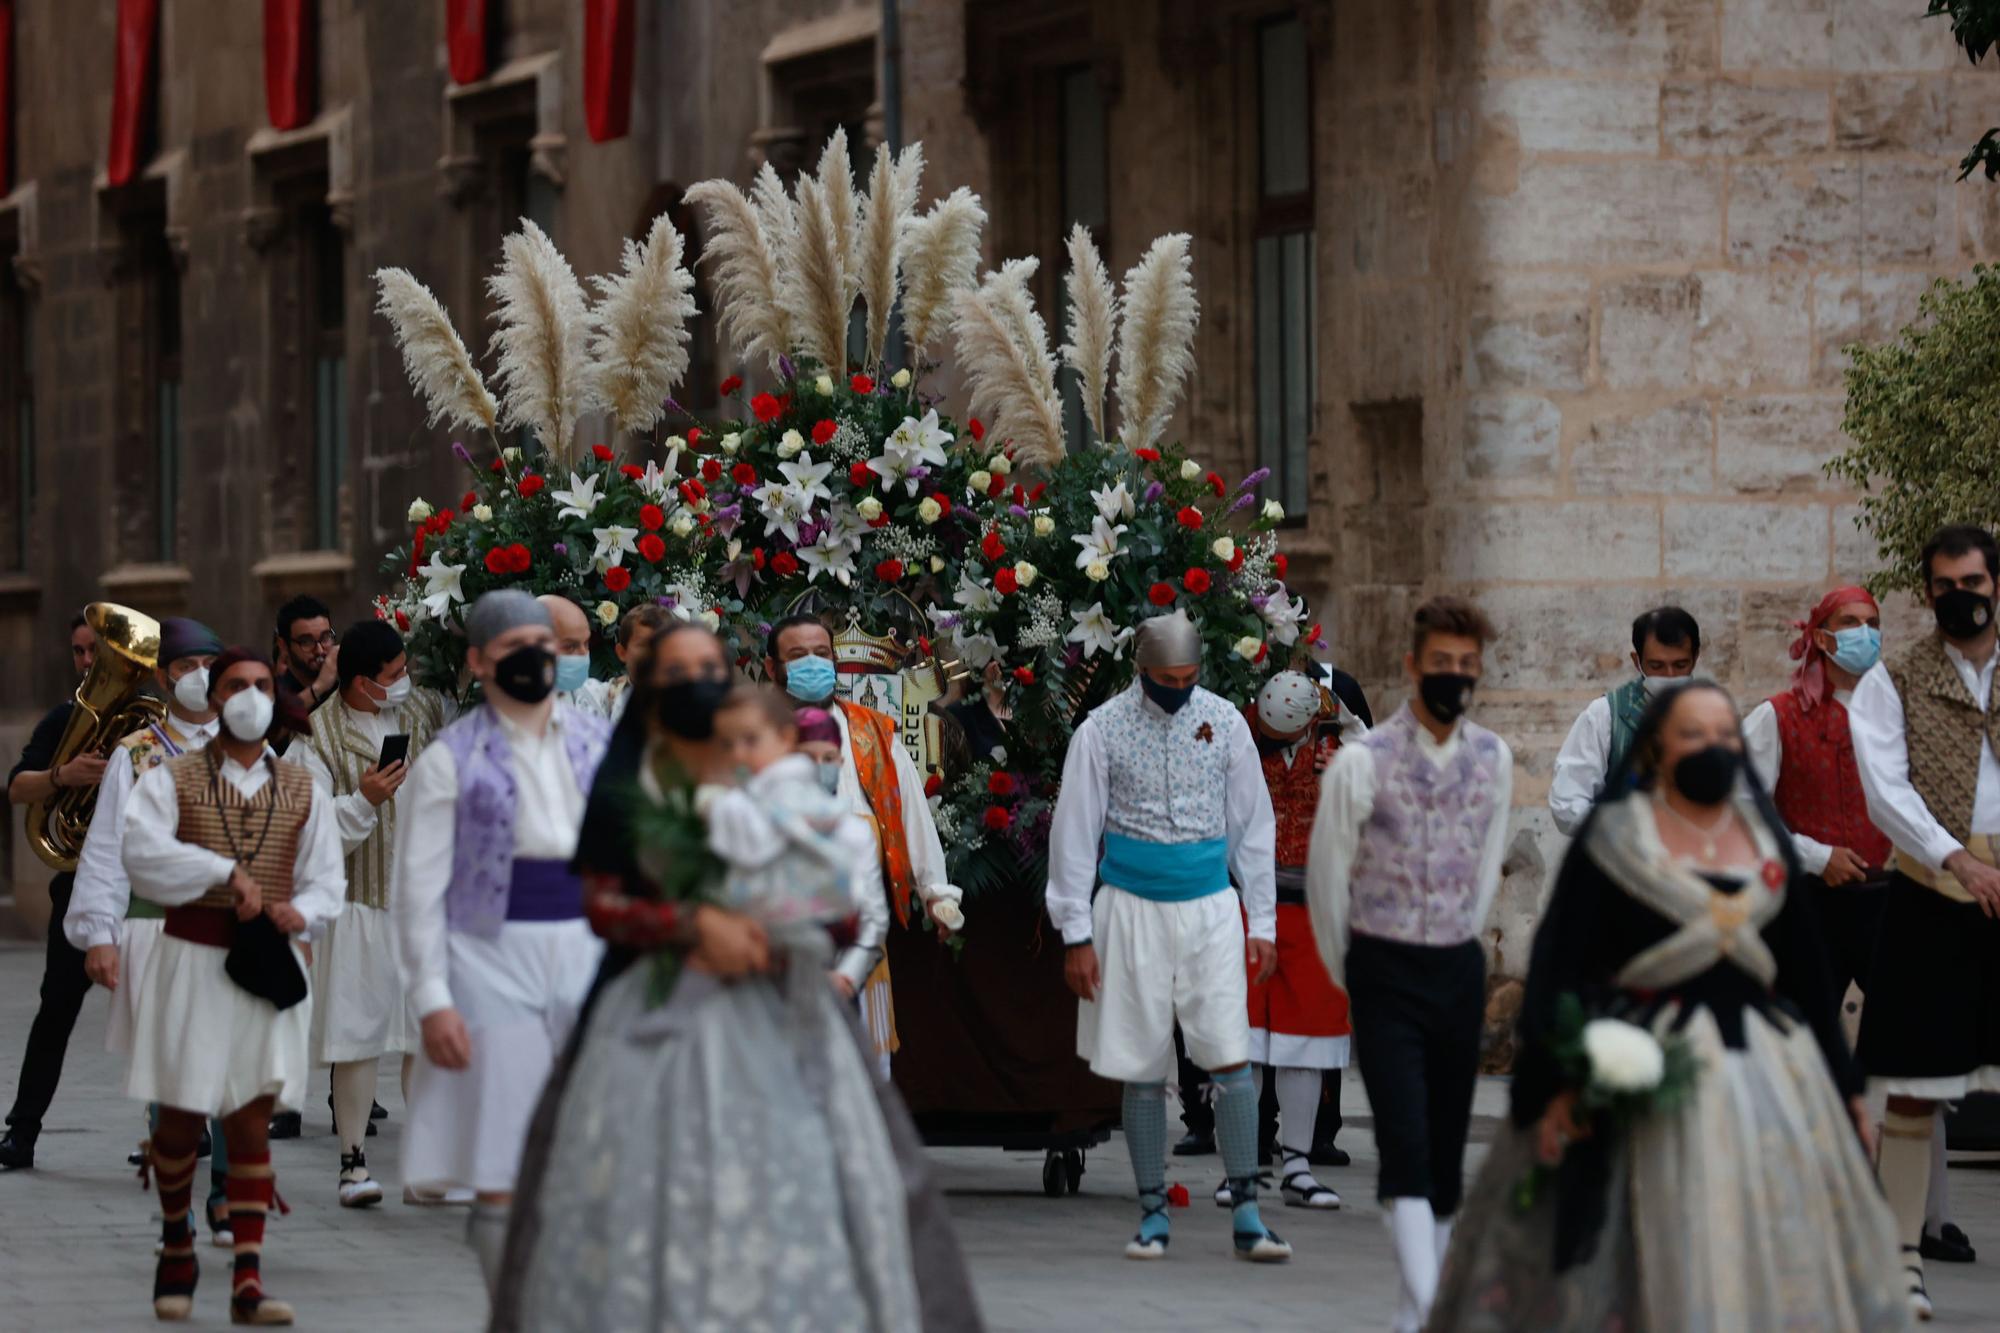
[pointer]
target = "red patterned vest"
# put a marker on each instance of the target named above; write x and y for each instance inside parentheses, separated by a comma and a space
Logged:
(1819, 786)
(1294, 796)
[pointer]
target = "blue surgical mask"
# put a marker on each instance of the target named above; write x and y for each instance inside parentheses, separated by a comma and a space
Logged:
(1857, 650)
(809, 679)
(571, 673)
(829, 778)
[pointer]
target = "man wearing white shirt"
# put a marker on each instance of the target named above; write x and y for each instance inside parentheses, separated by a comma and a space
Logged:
(1406, 854)
(1666, 645)
(496, 954)
(358, 1009)
(574, 684)
(231, 842)
(1923, 727)
(1162, 802)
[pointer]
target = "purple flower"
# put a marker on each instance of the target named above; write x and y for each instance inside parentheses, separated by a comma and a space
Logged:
(1243, 501)
(763, 628)
(1073, 654)
(1153, 491)
(669, 602)
(461, 453)
(1259, 600)
(673, 406)
(560, 548)
(1018, 511)
(948, 621)
(785, 368)
(919, 472)
(1255, 479)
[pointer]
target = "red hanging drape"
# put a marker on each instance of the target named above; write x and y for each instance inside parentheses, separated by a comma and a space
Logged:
(289, 59)
(607, 68)
(6, 93)
(132, 89)
(465, 39)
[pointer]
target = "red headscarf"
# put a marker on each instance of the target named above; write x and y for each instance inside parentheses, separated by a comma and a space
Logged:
(1809, 679)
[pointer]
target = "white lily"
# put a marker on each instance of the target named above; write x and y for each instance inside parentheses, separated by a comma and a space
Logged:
(829, 555)
(441, 586)
(1100, 544)
(975, 596)
(849, 523)
(581, 497)
(808, 478)
(976, 650)
(1093, 630)
(1114, 502)
(782, 506)
(1282, 615)
(657, 482)
(614, 544)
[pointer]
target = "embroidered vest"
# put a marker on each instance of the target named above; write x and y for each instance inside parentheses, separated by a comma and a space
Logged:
(338, 743)
(1943, 727)
(267, 853)
(871, 737)
(1294, 791)
(1416, 872)
(1628, 706)
(1167, 773)
(149, 747)
(482, 846)
(1819, 784)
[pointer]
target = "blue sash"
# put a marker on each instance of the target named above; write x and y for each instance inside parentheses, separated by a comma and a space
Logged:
(1165, 872)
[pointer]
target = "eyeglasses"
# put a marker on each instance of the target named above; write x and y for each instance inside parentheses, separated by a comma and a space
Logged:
(306, 642)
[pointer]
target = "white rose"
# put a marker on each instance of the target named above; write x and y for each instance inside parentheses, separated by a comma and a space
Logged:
(607, 613)
(1224, 548)
(682, 524)
(929, 511)
(484, 513)
(1273, 511)
(711, 619)
(824, 384)
(731, 442)
(937, 564)
(1025, 573)
(1247, 647)
(791, 444)
(420, 510)
(1190, 469)
(947, 914)
(1097, 571)
(1000, 465)
(676, 443)
(870, 509)
(511, 455)
(1623, 1057)
(901, 379)
(979, 481)
(1044, 525)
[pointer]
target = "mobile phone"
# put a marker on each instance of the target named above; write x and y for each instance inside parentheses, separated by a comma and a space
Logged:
(394, 750)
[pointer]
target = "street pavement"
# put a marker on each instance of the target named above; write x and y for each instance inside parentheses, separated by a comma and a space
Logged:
(76, 1234)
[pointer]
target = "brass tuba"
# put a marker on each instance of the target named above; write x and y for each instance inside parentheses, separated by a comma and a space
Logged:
(109, 707)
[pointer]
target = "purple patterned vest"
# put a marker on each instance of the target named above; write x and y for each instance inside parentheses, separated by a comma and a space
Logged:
(482, 848)
(1416, 872)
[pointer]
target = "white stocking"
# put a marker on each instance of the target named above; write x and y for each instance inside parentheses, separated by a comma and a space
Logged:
(353, 1101)
(1937, 1203)
(1414, 1228)
(1298, 1112)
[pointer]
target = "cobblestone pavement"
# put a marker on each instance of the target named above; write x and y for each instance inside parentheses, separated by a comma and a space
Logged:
(76, 1234)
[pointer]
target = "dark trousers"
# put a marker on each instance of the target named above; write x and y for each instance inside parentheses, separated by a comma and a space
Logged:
(1850, 919)
(1418, 1011)
(64, 985)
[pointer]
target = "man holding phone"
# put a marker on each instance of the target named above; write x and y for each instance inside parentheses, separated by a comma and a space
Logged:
(362, 744)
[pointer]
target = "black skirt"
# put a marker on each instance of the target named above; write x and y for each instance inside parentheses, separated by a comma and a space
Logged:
(1932, 1008)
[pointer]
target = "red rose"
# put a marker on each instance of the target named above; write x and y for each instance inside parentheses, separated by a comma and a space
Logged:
(651, 517)
(784, 564)
(889, 571)
(1189, 517)
(933, 784)
(518, 559)
(496, 560)
(730, 385)
(880, 520)
(998, 485)
(1020, 495)
(823, 430)
(694, 436)
(757, 558)
(529, 485)
(1161, 594)
(1006, 583)
(1000, 784)
(997, 819)
(497, 465)
(1312, 635)
(603, 452)
(743, 475)
(1263, 651)
(1195, 581)
(618, 578)
(765, 408)
(1147, 455)
(1216, 484)
(992, 547)
(923, 642)
(632, 470)
(861, 384)
(402, 622)
(711, 469)
(977, 428)
(861, 476)
(469, 499)
(1280, 564)
(1236, 560)
(652, 547)
(693, 491)
(943, 502)
(1036, 494)
(1025, 675)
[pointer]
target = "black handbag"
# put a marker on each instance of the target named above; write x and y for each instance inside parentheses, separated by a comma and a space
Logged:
(261, 961)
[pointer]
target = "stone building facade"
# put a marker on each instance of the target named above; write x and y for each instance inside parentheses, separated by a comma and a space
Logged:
(1541, 300)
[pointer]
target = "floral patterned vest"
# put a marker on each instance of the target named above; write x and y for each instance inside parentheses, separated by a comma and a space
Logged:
(1819, 784)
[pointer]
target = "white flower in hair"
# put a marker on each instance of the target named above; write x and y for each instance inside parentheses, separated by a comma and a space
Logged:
(1623, 1056)
(614, 544)
(1100, 544)
(581, 497)
(1114, 503)
(441, 585)
(975, 596)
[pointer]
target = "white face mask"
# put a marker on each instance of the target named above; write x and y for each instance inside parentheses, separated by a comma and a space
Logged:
(395, 692)
(247, 715)
(191, 691)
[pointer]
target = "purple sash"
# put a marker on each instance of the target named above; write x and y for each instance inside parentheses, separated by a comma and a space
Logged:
(543, 891)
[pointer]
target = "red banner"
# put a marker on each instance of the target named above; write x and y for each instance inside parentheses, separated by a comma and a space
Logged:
(6, 93)
(132, 89)
(607, 68)
(465, 39)
(289, 60)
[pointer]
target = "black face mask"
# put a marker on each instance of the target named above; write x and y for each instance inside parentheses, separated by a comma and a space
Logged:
(1962, 615)
(687, 707)
(527, 674)
(1446, 694)
(1169, 698)
(1706, 777)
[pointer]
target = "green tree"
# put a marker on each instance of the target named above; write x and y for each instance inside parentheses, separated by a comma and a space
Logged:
(1975, 26)
(1923, 412)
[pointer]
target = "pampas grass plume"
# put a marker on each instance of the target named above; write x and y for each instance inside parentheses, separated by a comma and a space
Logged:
(434, 357)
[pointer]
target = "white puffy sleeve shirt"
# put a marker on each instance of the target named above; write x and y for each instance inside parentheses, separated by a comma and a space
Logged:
(1881, 749)
(927, 865)
(1580, 766)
